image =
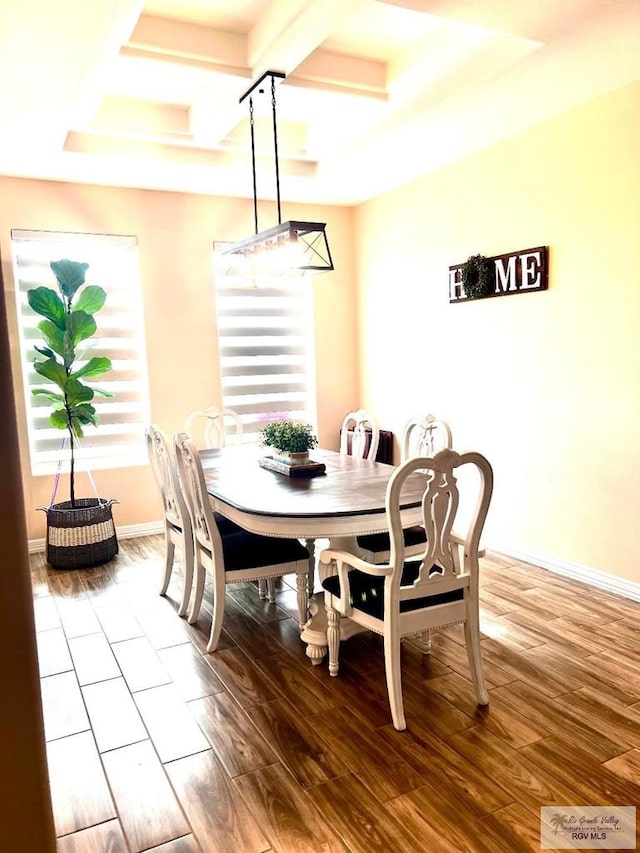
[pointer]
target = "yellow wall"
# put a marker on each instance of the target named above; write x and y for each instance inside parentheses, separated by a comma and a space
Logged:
(547, 385)
(175, 234)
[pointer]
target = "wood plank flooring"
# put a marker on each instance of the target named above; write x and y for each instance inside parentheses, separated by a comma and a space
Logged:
(155, 745)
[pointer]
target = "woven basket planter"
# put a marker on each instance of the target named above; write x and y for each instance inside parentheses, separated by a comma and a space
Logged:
(82, 536)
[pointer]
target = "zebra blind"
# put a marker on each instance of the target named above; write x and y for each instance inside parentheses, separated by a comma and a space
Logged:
(266, 348)
(118, 440)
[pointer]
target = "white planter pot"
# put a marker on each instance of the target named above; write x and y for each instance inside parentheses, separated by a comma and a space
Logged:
(291, 458)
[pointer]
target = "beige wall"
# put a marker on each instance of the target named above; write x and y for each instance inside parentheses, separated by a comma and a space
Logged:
(175, 234)
(545, 384)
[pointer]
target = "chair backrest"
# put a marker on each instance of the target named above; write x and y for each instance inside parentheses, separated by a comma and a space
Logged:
(214, 427)
(424, 437)
(164, 469)
(439, 568)
(194, 486)
(354, 437)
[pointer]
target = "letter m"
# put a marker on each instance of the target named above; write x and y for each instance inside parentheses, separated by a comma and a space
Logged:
(506, 279)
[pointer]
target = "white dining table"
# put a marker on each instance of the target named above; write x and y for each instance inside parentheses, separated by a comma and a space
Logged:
(339, 505)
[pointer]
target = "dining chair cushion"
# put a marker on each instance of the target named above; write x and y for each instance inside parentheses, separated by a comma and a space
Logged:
(367, 591)
(375, 542)
(225, 525)
(245, 550)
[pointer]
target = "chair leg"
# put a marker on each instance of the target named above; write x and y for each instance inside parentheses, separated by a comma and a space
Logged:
(198, 587)
(187, 551)
(301, 588)
(474, 653)
(394, 677)
(170, 549)
(217, 615)
(271, 590)
(262, 588)
(333, 639)
(424, 642)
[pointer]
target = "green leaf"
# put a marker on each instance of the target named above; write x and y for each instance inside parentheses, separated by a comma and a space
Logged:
(80, 326)
(94, 367)
(52, 335)
(53, 370)
(68, 351)
(46, 302)
(56, 399)
(91, 299)
(70, 275)
(86, 414)
(102, 393)
(77, 393)
(58, 419)
(76, 427)
(45, 351)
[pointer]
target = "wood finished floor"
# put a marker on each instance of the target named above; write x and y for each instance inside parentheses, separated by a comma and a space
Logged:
(155, 745)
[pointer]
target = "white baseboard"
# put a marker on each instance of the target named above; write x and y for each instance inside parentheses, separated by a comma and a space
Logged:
(127, 531)
(576, 571)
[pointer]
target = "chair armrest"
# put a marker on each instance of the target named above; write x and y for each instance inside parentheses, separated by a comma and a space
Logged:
(460, 540)
(344, 560)
(347, 558)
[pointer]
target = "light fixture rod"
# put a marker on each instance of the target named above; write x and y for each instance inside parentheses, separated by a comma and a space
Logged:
(275, 146)
(273, 75)
(295, 246)
(253, 166)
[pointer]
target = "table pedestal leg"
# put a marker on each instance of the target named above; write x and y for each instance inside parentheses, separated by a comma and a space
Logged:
(311, 545)
(314, 633)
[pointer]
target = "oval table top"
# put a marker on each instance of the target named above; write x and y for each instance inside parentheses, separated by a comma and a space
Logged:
(348, 499)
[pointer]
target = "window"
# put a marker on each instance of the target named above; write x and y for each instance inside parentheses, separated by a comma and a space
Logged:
(118, 440)
(266, 344)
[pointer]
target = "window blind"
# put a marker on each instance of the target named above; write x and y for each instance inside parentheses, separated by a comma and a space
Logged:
(266, 346)
(118, 440)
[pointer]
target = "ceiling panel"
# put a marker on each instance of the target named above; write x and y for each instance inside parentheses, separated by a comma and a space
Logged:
(377, 92)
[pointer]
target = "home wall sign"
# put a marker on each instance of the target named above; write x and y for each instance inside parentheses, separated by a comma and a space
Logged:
(525, 271)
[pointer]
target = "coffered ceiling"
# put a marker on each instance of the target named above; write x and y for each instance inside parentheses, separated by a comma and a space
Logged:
(377, 92)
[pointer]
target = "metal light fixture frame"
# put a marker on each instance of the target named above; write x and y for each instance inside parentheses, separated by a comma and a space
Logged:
(309, 238)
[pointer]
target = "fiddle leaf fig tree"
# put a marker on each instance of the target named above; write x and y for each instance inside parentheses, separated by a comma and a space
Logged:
(68, 323)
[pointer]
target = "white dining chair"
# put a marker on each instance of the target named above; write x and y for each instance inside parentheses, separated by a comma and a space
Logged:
(422, 436)
(214, 426)
(236, 556)
(356, 428)
(177, 521)
(435, 588)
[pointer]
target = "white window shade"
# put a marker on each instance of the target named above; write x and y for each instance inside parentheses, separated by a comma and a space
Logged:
(118, 440)
(266, 347)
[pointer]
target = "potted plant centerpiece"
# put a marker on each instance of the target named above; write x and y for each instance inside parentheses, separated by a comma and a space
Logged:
(80, 531)
(291, 441)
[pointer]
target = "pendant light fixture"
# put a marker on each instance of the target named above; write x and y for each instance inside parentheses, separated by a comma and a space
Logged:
(288, 247)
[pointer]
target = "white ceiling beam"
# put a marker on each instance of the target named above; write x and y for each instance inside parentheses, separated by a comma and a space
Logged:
(93, 144)
(291, 30)
(158, 36)
(51, 64)
(339, 72)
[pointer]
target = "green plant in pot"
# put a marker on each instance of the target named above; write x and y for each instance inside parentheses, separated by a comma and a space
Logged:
(290, 440)
(80, 532)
